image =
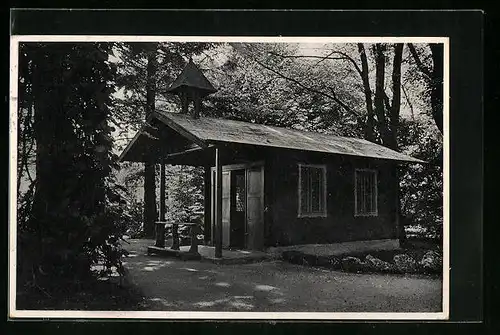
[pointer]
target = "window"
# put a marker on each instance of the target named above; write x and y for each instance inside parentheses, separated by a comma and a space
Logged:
(365, 193)
(312, 190)
(240, 192)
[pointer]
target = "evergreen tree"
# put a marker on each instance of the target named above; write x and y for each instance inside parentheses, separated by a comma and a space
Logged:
(74, 220)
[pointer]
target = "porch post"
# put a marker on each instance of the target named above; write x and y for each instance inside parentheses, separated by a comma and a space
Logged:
(160, 228)
(218, 204)
(175, 237)
(207, 206)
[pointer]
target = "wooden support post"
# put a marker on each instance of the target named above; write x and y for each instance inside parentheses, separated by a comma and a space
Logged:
(160, 228)
(207, 205)
(184, 102)
(195, 114)
(218, 203)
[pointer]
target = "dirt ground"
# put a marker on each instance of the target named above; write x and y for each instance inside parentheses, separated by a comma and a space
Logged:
(174, 285)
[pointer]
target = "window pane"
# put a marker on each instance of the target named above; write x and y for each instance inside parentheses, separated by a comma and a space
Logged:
(366, 196)
(240, 193)
(374, 193)
(312, 193)
(315, 182)
(321, 193)
(367, 192)
(304, 190)
(358, 192)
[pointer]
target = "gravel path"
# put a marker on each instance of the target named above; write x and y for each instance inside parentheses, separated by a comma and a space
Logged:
(170, 284)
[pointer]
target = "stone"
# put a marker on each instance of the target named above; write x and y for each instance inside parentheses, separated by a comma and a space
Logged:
(352, 264)
(405, 263)
(376, 264)
(309, 260)
(293, 256)
(331, 262)
(432, 261)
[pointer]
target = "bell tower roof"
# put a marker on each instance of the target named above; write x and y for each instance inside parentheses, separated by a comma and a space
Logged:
(191, 77)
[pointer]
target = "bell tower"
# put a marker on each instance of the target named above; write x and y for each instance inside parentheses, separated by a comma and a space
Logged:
(191, 85)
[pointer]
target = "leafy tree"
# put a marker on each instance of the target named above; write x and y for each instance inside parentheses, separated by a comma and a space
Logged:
(185, 196)
(278, 86)
(431, 70)
(145, 71)
(72, 218)
(422, 184)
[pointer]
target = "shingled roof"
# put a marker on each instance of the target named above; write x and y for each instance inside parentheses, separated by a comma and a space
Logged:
(191, 77)
(216, 130)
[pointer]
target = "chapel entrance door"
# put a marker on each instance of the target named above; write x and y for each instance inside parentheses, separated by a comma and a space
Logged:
(238, 209)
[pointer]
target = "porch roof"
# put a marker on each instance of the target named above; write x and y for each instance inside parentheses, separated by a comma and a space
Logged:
(205, 131)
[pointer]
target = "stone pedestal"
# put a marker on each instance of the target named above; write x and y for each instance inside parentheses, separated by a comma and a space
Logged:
(175, 237)
(160, 234)
(194, 240)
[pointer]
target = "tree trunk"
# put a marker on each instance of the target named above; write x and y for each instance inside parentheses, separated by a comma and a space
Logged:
(437, 84)
(395, 107)
(52, 131)
(369, 130)
(379, 50)
(149, 168)
(394, 112)
(42, 161)
(434, 79)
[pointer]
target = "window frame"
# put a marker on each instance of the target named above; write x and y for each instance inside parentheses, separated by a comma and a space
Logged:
(324, 212)
(356, 211)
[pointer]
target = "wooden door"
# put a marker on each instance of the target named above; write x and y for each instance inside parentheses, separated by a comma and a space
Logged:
(255, 208)
(226, 208)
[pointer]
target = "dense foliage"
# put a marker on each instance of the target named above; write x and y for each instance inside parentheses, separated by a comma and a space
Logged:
(185, 201)
(71, 217)
(422, 184)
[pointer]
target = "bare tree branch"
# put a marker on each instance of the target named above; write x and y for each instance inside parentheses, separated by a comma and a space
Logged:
(425, 70)
(344, 106)
(298, 83)
(407, 98)
(322, 58)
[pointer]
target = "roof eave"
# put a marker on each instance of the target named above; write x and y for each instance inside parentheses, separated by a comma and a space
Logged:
(409, 160)
(179, 129)
(129, 146)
